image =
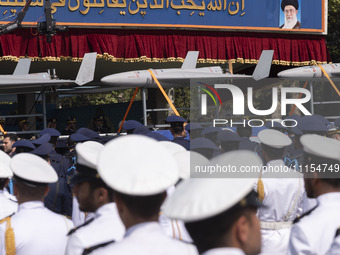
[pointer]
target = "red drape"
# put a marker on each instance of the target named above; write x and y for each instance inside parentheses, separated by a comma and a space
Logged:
(166, 45)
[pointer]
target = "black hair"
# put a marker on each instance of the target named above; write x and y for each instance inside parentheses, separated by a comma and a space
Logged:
(129, 132)
(53, 140)
(33, 193)
(244, 131)
(322, 133)
(326, 169)
(2, 183)
(20, 149)
(177, 128)
(143, 206)
(210, 233)
(99, 183)
(12, 137)
(71, 143)
(273, 153)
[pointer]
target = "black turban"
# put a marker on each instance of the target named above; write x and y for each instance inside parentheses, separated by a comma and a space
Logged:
(295, 3)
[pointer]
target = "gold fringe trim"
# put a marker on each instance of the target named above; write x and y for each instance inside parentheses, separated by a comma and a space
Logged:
(9, 236)
(333, 132)
(111, 58)
(260, 190)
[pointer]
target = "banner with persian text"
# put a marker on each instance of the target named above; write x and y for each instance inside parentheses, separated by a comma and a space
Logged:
(299, 16)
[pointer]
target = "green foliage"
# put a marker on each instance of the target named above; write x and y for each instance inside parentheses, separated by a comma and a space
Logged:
(118, 96)
(333, 37)
(182, 100)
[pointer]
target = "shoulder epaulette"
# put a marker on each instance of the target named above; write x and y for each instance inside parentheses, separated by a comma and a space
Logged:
(92, 248)
(80, 226)
(337, 232)
(303, 215)
(186, 242)
(11, 199)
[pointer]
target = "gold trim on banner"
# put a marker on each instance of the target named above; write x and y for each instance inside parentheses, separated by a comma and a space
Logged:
(111, 58)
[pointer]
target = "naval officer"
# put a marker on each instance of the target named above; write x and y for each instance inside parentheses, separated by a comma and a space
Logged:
(178, 131)
(58, 162)
(186, 160)
(78, 217)
(93, 196)
(33, 229)
(220, 213)
(312, 124)
(140, 170)
(59, 198)
(281, 191)
(8, 205)
(314, 233)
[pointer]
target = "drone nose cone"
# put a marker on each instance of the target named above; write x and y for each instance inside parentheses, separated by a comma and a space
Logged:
(291, 73)
(118, 79)
(299, 72)
(127, 79)
(110, 79)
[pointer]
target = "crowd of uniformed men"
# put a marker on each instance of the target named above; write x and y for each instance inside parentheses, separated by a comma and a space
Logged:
(132, 194)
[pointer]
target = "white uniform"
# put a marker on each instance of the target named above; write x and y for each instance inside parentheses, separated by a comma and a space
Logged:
(106, 226)
(224, 251)
(335, 248)
(308, 203)
(7, 207)
(282, 204)
(79, 217)
(145, 239)
(9, 195)
(314, 233)
(174, 228)
(37, 230)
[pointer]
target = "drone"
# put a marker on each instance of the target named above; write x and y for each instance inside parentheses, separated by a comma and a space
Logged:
(47, 28)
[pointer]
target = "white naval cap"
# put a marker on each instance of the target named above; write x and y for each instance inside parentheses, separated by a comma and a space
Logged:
(88, 153)
(5, 170)
(32, 169)
(87, 161)
(172, 147)
(185, 159)
(274, 138)
(137, 165)
(321, 146)
(201, 198)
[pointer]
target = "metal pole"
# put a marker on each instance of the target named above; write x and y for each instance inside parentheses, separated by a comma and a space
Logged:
(311, 98)
(144, 106)
(216, 108)
(44, 108)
